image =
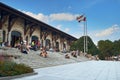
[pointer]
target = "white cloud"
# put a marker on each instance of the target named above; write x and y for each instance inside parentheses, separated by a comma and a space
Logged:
(38, 16)
(63, 17)
(52, 17)
(67, 29)
(59, 27)
(108, 31)
(62, 28)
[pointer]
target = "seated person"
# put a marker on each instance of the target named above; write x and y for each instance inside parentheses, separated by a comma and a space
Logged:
(74, 54)
(17, 45)
(51, 50)
(67, 56)
(43, 53)
(24, 48)
(28, 46)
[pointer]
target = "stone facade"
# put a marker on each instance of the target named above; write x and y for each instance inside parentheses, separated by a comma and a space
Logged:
(16, 25)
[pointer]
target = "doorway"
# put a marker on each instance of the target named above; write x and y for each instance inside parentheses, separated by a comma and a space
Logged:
(15, 38)
(57, 46)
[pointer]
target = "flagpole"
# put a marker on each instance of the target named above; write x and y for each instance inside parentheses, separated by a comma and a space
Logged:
(83, 18)
(84, 38)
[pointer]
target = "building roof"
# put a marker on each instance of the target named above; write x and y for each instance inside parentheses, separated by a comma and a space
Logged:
(29, 18)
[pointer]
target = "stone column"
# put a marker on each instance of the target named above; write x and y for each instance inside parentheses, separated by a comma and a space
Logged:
(44, 41)
(66, 46)
(61, 48)
(30, 39)
(6, 37)
(9, 38)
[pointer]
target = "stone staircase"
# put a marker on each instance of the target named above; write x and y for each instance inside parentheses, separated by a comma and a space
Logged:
(35, 61)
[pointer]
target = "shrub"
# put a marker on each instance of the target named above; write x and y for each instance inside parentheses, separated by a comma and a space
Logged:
(21, 68)
(8, 68)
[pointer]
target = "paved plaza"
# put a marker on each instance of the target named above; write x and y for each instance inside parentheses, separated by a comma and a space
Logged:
(89, 70)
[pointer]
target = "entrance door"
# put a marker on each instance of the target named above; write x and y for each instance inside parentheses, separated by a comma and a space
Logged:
(15, 38)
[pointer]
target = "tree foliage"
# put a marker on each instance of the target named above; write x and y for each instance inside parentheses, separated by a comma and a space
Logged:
(79, 45)
(108, 48)
(116, 46)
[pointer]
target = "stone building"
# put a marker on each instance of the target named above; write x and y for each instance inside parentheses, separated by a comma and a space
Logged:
(15, 25)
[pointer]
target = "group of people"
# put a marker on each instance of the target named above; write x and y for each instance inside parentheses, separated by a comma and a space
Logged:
(4, 44)
(73, 53)
(35, 45)
(25, 47)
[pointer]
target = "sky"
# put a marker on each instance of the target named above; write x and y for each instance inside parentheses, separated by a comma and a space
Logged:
(102, 16)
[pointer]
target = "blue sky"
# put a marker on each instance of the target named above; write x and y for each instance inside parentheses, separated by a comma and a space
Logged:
(103, 16)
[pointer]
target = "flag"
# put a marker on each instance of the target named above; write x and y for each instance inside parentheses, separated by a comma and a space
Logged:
(81, 18)
(84, 19)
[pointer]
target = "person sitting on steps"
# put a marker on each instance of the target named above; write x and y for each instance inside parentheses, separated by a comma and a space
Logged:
(43, 53)
(67, 56)
(74, 54)
(24, 48)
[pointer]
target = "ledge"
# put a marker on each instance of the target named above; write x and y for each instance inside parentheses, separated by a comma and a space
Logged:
(17, 76)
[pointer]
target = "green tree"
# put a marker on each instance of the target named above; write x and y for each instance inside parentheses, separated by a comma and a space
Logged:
(79, 45)
(106, 48)
(116, 45)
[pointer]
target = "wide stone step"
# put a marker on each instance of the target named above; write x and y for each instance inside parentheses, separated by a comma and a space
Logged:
(33, 59)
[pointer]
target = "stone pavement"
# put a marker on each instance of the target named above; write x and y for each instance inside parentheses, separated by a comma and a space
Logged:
(89, 70)
(35, 61)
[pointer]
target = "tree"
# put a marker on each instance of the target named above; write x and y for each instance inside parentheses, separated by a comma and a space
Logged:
(79, 45)
(106, 48)
(116, 45)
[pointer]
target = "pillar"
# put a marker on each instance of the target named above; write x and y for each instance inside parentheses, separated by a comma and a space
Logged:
(9, 38)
